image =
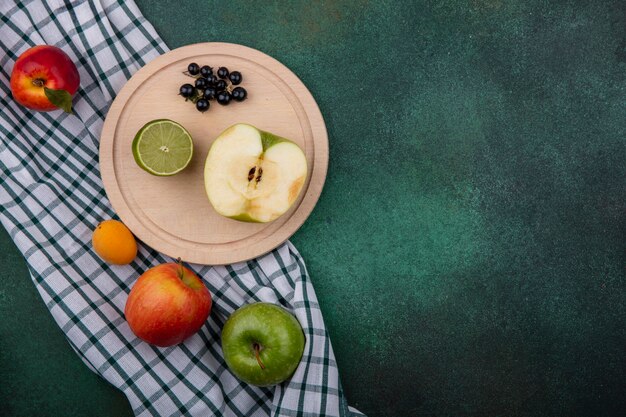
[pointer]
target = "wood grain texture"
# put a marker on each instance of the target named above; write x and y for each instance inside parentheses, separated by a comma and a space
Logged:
(173, 214)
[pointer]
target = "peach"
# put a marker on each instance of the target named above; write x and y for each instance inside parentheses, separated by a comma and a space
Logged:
(44, 78)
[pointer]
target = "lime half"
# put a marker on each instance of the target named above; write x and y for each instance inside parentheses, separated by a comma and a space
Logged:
(162, 147)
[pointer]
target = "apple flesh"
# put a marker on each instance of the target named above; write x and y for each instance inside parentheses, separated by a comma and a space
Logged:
(167, 304)
(252, 175)
(44, 78)
(262, 344)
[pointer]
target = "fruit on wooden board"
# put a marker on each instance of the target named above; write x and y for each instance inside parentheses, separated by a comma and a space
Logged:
(252, 175)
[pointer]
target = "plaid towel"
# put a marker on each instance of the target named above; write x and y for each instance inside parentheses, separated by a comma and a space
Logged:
(51, 198)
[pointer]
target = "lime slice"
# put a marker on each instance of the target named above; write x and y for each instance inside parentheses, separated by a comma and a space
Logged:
(162, 147)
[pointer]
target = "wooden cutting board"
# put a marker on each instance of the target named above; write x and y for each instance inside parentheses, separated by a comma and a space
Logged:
(173, 214)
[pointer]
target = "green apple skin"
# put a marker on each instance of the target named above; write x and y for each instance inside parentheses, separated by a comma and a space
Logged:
(244, 217)
(269, 139)
(276, 333)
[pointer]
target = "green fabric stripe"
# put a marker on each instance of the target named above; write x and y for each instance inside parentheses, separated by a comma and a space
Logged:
(81, 34)
(306, 329)
(139, 22)
(44, 285)
(53, 198)
(117, 55)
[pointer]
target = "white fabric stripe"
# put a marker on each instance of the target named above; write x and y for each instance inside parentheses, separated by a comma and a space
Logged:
(51, 199)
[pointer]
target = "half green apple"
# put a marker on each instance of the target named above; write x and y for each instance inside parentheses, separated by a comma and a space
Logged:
(253, 176)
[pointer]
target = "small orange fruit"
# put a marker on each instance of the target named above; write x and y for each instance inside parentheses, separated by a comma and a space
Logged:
(114, 243)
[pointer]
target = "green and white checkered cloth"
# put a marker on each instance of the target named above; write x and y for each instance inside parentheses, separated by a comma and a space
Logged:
(51, 198)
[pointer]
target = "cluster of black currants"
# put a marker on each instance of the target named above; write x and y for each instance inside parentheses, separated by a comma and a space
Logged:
(209, 86)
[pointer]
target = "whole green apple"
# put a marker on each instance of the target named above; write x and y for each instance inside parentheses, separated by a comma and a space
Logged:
(262, 344)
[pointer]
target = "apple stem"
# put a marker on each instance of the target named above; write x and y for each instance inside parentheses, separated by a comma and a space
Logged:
(181, 272)
(39, 82)
(257, 348)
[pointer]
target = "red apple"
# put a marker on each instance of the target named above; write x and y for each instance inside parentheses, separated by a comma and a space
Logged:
(167, 304)
(44, 78)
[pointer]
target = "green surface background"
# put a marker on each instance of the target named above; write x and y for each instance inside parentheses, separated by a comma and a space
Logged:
(468, 248)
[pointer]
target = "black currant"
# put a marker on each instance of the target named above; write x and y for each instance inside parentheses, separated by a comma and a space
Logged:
(220, 85)
(235, 77)
(201, 83)
(202, 105)
(223, 97)
(211, 79)
(210, 93)
(222, 72)
(193, 68)
(239, 93)
(205, 71)
(186, 90)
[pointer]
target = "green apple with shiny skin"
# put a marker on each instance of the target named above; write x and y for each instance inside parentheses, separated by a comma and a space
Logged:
(254, 176)
(262, 344)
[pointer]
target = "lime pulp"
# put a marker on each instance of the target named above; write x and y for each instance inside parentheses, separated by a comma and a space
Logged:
(162, 147)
